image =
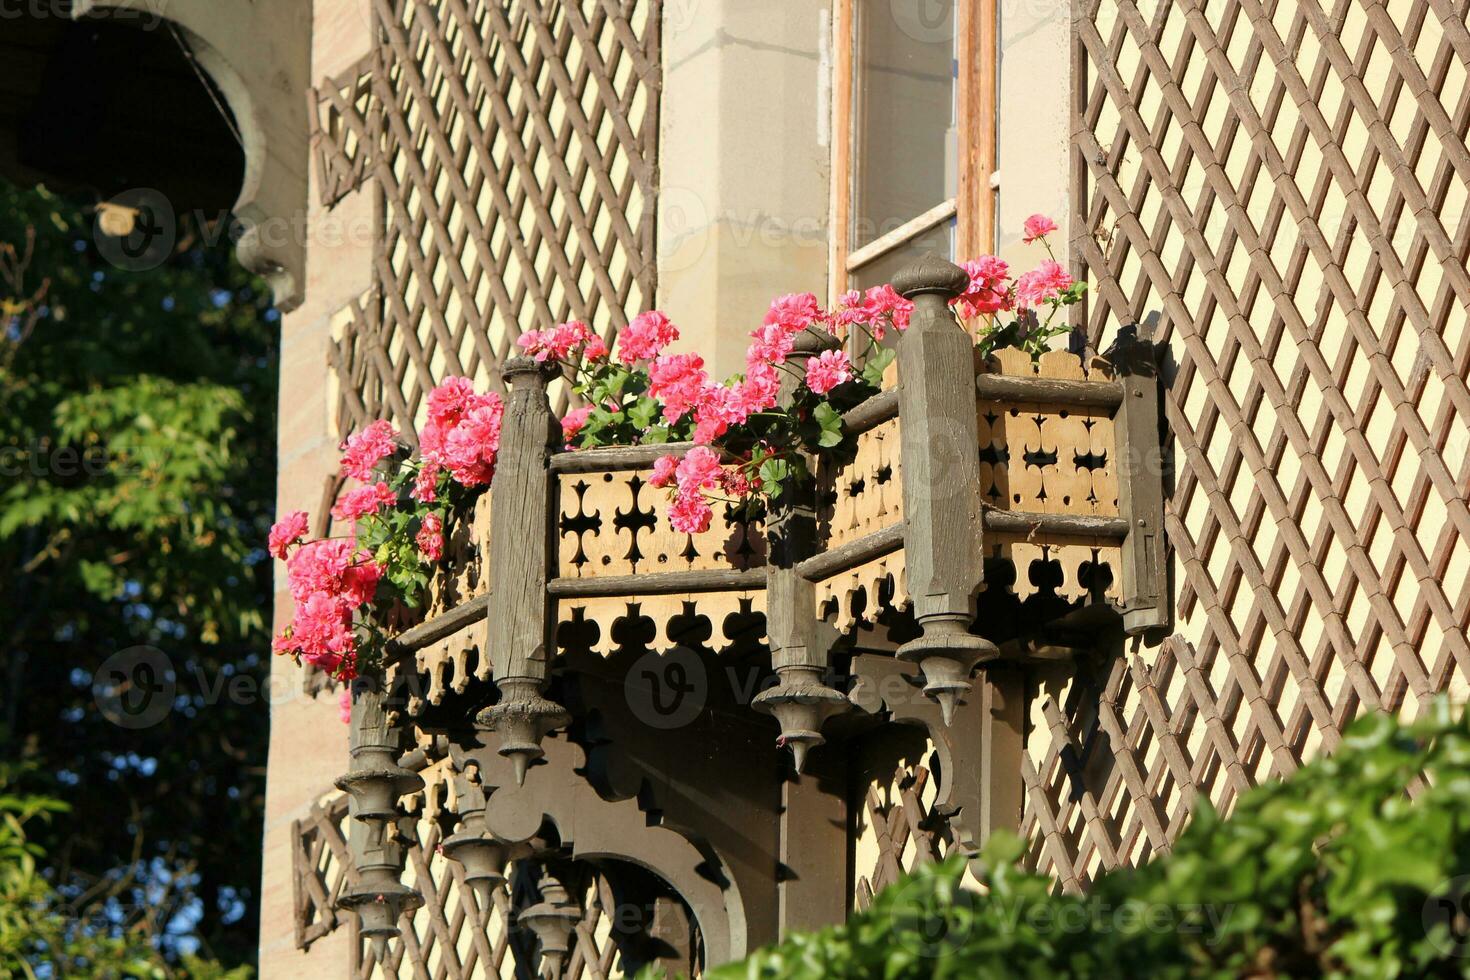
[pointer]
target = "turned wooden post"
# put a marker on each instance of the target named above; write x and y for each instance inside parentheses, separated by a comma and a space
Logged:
(518, 634)
(803, 700)
(374, 782)
(943, 546)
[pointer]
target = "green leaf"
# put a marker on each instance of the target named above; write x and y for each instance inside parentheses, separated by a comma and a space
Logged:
(876, 364)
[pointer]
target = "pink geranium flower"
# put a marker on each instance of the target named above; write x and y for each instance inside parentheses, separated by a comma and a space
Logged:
(287, 531)
(363, 502)
(828, 370)
(573, 422)
(426, 484)
(700, 469)
(344, 706)
(759, 390)
(449, 400)
(360, 580)
(1038, 226)
(664, 469)
(646, 337)
(363, 451)
(718, 409)
(770, 344)
(989, 289)
(318, 566)
(874, 310)
(430, 538)
(677, 380)
(558, 342)
(469, 449)
(794, 312)
(1041, 285)
(321, 631)
(690, 514)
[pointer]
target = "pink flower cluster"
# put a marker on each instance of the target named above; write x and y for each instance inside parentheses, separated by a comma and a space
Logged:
(430, 539)
(991, 289)
(366, 449)
(558, 343)
(874, 311)
(332, 579)
(698, 471)
(287, 531)
(462, 434)
(828, 370)
(646, 337)
(677, 380)
(1037, 227)
(363, 502)
(719, 406)
(1041, 285)
(574, 422)
(329, 580)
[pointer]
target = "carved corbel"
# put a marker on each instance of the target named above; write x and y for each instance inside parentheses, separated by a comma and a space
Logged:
(592, 828)
(518, 632)
(979, 747)
(943, 533)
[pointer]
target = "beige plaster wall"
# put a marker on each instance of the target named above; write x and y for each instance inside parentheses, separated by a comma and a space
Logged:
(1034, 142)
(744, 168)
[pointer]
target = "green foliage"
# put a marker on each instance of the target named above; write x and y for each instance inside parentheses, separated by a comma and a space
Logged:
(137, 448)
(40, 935)
(1354, 867)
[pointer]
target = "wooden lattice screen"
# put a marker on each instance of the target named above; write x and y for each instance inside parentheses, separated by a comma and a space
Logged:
(512, 146)
(1278, 187)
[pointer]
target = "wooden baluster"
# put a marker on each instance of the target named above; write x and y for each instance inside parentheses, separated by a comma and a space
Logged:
(943, 546)
(518, 635)
(803, 700)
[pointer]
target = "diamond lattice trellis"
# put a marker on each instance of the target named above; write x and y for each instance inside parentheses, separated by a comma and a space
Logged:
(511, 144)
(1280, 188)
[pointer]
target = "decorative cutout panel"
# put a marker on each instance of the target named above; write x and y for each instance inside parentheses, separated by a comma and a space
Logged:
(615, 523)
(865, 495)
(861, 593)
(1048, 458)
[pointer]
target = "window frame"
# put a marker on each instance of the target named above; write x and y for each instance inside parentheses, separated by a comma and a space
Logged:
(973, 205)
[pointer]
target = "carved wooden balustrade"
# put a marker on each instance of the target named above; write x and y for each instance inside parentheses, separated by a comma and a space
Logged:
(588, 674)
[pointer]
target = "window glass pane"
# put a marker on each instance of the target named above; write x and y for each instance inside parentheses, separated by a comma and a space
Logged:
(904, 114)
(939, 240)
